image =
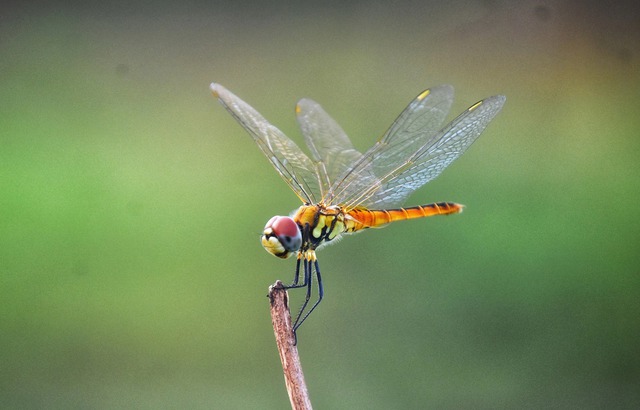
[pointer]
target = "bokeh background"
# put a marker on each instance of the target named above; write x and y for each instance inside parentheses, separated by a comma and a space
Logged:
(131, 204)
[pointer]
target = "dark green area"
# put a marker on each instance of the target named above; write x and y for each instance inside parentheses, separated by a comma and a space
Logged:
(131, 203)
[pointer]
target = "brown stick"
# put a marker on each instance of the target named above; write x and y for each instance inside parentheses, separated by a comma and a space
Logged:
(285, 340)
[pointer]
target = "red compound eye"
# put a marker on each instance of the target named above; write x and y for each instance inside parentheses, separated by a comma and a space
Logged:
(287, 232)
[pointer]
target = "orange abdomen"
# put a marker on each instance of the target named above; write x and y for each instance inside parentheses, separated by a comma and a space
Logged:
(364, 218)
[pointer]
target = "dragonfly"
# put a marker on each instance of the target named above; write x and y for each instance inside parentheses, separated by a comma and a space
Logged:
(344, 191)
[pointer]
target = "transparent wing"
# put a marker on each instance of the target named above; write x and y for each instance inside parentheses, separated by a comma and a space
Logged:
(293, 165)
(407, 158)
(430, 160)
(331, 149)
(418, 124)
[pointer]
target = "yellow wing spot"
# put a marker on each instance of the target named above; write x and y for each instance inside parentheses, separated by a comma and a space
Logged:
(424, 95)
(215, 93)
(474, 106)
(298, 109)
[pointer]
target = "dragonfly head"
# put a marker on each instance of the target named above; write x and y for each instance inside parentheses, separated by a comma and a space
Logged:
(281, 237)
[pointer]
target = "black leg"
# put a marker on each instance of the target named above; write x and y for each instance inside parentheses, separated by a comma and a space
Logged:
(297, 277)
(320, 296)
(308, 279)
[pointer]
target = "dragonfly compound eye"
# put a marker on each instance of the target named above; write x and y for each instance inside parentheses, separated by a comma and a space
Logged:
(281, 236)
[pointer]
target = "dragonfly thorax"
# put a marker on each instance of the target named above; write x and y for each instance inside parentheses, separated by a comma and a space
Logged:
(321, 224)
(281, 237)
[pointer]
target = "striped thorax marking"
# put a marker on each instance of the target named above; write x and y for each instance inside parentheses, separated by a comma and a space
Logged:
(321, 223)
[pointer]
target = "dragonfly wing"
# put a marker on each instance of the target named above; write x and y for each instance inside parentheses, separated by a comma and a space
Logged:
(293, 165)
(418, 124)
(399, 180)
(331, 149)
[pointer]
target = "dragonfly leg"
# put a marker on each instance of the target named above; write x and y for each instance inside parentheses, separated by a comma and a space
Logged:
(297, 276)
(295, 283)
(299, 321)
(308, 280)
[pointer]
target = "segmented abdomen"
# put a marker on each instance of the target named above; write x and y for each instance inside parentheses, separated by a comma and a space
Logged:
(361, 218)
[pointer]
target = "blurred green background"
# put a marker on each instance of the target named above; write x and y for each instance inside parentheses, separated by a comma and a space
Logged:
(131, 203)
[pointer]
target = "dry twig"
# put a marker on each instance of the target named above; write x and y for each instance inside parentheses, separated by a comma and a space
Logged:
(285, 340)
